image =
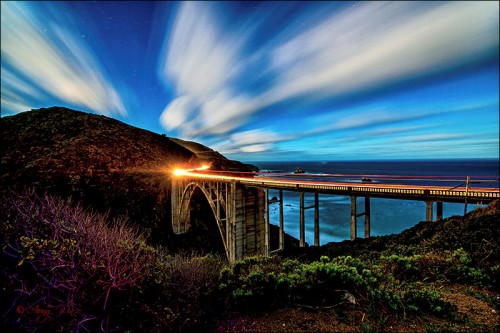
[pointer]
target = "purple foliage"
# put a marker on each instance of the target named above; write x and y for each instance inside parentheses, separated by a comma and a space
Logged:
(66, 262)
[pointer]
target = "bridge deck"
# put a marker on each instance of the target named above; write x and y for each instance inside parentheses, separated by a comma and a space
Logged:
(379, 190)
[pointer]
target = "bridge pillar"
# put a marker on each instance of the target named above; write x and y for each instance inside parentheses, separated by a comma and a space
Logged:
(316, 219)
(247, 224)
(355, 215)
(439, 211)
(302, 241)
(353, 218)
(235, 218)
(367, 217)
(267, 221)
(428, 211)
(282, 224)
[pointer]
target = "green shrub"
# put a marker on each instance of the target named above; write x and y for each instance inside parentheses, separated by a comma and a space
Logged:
(324, 282)
(402, 267)
(461, 269)
(260, 282)
(251, 283)
(429, 301)
(453, 265)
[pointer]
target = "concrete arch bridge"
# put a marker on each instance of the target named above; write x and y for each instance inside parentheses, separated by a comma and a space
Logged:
(240, 205)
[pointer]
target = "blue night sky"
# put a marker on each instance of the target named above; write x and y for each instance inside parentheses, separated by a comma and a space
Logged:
(268, 80)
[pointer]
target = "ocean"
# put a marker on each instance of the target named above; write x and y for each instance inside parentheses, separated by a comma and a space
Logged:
(388, 216)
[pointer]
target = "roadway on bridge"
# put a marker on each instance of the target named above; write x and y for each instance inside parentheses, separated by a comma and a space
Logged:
(273, 179)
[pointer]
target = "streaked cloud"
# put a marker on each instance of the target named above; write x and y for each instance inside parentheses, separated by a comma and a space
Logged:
(202, 61)
(177, 113)
(315, 57)
(393, 131)
(433, 137)
(379, 44)
(15, 91)
(369, 118)
(373, 149)
(253, 141)
(48, 55)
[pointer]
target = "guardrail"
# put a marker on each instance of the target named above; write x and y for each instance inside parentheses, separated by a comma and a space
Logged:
(394, 191)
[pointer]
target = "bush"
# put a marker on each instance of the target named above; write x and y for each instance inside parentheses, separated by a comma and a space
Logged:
(455, 266)
(258, 283)
(183, 285)
(68, 269)
(402, 267)
(252, 283)
(429, 301)
(325, 281)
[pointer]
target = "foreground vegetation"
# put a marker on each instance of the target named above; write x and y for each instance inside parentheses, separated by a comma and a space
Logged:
(66, 269)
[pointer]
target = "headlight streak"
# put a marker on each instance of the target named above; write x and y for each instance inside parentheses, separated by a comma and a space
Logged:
(181, 172)
(266, 181)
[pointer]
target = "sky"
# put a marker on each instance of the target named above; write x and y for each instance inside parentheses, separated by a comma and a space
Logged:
(268, 81)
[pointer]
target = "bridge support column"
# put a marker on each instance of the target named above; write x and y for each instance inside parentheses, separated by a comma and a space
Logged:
(439, 211)
(282, 224)
(367, 217)
(231, 224)
(316, 219)
(428, 211)
(353, 218)
(246, 226)
(302, 241)
(355, 215)
(267, 221)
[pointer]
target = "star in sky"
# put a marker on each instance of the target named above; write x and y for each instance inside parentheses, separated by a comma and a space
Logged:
(268, 80)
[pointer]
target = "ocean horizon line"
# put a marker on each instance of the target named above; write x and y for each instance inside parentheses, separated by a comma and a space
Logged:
(490, 159)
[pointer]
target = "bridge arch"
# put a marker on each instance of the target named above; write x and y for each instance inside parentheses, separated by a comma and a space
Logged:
(217, 205)
(238, 211)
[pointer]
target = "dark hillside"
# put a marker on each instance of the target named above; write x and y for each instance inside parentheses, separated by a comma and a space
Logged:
(100, 161)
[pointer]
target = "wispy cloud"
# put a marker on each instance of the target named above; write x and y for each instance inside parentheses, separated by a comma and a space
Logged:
(202, 61)
(253, 141)
(15, 92)
(452, 148)
(433, 137)
(393, 131)
(379, 44)
(336, 54)
(47, 55)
